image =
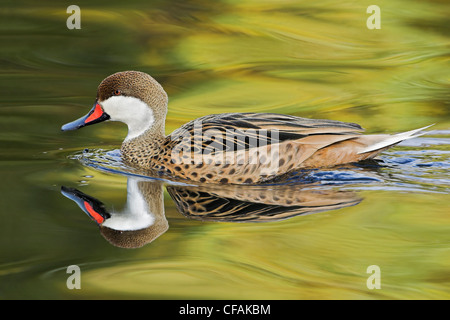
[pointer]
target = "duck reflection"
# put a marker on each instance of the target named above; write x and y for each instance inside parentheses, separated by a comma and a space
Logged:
(256, 203)
(139, 223)
(143, 218)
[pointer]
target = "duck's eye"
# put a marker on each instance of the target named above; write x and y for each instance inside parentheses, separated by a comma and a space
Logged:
(117, 92)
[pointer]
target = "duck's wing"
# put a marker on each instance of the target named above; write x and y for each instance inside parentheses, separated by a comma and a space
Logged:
(248, 130)
(285, 123)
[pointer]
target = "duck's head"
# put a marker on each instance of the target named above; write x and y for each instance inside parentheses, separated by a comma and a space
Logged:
(131, 97)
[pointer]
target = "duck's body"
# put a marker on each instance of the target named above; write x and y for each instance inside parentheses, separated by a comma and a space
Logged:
(224, 153)
(239, 148)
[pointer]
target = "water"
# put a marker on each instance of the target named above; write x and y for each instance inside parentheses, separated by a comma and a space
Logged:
(308, 59)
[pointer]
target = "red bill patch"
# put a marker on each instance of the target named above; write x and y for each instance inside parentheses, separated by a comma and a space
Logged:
(98, 218)
(95, 115)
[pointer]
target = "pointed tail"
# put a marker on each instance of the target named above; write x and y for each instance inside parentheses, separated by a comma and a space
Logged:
(394, 139)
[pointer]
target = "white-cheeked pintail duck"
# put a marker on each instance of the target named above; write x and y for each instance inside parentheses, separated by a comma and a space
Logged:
(229, 148)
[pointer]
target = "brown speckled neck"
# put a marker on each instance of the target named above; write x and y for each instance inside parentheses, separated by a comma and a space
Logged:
(140, 150)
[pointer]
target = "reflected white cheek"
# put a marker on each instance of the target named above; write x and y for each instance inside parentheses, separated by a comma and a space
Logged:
(136, 215)
(135, 113)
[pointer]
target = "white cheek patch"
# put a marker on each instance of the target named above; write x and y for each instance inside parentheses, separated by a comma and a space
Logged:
(135, 113)
(136, 214)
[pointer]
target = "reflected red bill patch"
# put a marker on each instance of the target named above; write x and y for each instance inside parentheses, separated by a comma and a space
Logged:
(96, 216)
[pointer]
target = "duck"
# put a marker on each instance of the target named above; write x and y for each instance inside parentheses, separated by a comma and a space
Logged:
(226, 148)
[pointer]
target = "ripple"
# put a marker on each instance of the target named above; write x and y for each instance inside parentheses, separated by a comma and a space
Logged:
(110, 161)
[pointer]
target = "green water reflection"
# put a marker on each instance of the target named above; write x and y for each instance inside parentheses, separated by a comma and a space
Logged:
(311, 59)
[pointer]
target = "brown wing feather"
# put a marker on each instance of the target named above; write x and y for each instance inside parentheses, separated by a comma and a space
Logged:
(240, 138)
(242, 129)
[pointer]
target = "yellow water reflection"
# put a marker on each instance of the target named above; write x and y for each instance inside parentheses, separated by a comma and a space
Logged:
(313, 257)
(318, 256)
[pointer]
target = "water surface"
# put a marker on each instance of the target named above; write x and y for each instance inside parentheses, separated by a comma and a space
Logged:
(313, 59)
